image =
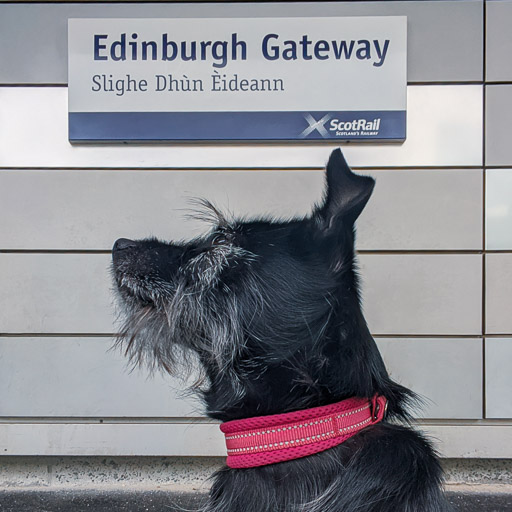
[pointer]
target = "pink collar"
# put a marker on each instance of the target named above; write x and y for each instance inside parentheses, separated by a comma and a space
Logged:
(264, 440)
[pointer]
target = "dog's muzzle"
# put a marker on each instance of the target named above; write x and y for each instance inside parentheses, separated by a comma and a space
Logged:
(264, 440)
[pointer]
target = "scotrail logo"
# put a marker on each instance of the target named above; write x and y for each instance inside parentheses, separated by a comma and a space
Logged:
(358, 127)
(330, 127)
(314, 125)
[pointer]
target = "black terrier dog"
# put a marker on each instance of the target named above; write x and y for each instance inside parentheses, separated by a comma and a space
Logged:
(271, 311)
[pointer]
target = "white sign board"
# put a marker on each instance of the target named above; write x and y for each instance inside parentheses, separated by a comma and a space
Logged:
(237, 79)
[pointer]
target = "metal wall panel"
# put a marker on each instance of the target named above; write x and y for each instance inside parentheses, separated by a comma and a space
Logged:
(498, 114)
(456, 363)
(498, 209)
(422, 294)
(55, 293)
(498, 293)
(90, 209)
(498, 384)
(36, 52)
(199, 439)
(403, 294)
(409, 209)
(193, 439)
(471, 442)
(83, 377)
(444, 128)
(499, 40)
(423, 210)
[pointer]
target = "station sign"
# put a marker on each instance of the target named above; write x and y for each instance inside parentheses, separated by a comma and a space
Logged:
(237, 79)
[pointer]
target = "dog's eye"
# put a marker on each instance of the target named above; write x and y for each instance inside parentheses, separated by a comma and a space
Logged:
(220, 240)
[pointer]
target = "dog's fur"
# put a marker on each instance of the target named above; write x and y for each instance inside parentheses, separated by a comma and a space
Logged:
(271, 311)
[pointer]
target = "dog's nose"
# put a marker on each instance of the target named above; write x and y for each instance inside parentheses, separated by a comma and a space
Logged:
(123, 243)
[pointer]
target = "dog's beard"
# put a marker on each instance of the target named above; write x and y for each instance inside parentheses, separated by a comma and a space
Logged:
(196, 319)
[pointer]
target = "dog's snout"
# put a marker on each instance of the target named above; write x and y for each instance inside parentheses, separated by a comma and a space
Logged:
(123, 243)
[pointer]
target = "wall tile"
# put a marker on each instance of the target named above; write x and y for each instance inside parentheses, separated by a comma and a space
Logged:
(82, 377)
(205, 439)
(404, 294)
(91, 209)
(447, 373)
(498, 385)
(434, 209)
(498, 209)
(499, 40)
(37, 33)
(422, 294)
(55, 293)
(498, 293)
(196, 439)
(420, 209)
(444, 128)
(497, 119)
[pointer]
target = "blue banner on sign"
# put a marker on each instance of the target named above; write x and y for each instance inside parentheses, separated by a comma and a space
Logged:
(230, 126)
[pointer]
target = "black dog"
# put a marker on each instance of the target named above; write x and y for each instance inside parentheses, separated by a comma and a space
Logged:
(271, 310)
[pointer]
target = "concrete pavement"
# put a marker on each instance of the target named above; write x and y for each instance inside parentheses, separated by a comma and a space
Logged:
(171, 501)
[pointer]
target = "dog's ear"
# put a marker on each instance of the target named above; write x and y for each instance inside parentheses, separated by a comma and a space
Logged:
(346, 193)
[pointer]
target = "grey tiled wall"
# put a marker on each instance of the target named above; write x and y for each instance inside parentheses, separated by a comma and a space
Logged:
(435, 241)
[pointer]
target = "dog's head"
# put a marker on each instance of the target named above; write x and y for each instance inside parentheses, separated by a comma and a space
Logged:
(270, 307)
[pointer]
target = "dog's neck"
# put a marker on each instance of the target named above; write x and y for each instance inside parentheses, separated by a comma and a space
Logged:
(348, 364)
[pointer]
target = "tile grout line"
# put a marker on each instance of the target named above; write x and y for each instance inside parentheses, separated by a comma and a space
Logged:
(375, 335)
(204, 420)
(484, 206)
(412, 83)
(394, 168)
(372, 252)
